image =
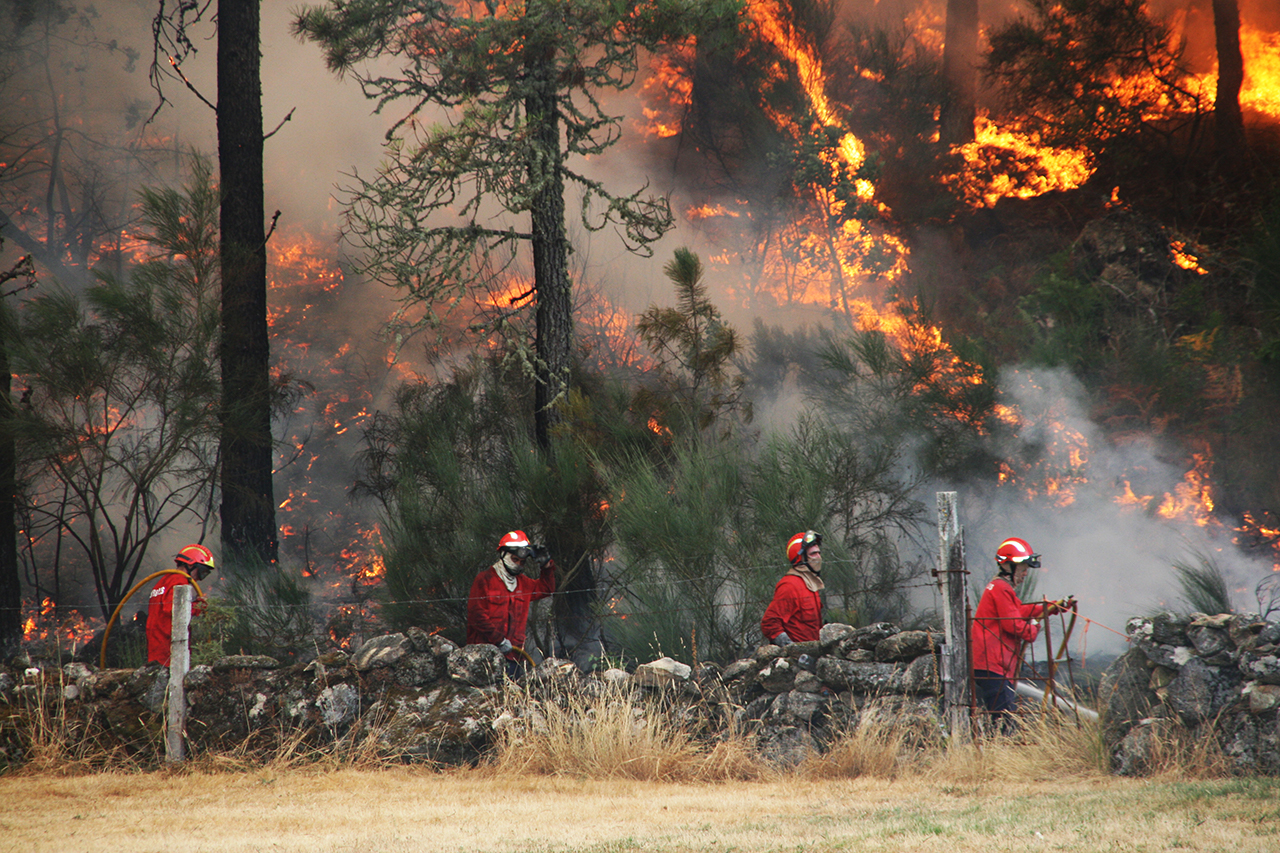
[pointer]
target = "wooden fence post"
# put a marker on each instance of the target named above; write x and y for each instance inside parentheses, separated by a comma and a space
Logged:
(952, 574)
(179, 663)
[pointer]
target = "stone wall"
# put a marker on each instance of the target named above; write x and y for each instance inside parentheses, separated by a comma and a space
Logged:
(1196, 677)
(420, 697)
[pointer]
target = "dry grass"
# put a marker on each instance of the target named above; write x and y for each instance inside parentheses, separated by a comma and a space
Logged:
(614, 774)
(1045, 746)
(54, 742)
(616, 735)
(876, 749)
(412, 809)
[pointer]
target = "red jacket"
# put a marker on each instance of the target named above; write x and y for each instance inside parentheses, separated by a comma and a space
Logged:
(1000, 627)
(495, 613)
(794, 609)
(160, 616)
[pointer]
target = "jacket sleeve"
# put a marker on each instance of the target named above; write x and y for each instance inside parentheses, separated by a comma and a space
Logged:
(545, 583)
(1014, 615)
(482, 623)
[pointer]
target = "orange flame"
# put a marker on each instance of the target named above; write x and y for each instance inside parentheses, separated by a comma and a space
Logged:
(1006, 162)
(1192, 498)
(668, 91)
(41, 624)
(1185, 259)
(1260, 91)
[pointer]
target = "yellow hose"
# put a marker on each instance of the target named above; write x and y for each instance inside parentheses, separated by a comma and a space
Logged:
(102, 658)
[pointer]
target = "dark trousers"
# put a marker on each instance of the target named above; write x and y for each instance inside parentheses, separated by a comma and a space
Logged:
(997, 695)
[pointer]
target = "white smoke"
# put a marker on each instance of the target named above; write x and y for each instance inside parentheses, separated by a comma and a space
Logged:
(1117, 560)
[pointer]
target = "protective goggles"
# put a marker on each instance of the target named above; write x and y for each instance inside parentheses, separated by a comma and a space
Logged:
(810, 539)
(1032, 562)
(520, 552)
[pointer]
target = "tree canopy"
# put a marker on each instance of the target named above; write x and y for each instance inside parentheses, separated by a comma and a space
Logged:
(501, 97)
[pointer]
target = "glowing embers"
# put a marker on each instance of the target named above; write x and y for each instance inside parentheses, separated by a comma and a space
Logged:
(45, 624)
(1059, 469)
(1255, 533)
(299, 258)
(1184, 259)
(1006, 162)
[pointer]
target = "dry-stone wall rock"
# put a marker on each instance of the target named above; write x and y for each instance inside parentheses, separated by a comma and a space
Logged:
(420, 697)
(1197, 676)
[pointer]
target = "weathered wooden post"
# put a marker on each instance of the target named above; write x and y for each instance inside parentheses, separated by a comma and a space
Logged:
(952, 573)
(179, 663)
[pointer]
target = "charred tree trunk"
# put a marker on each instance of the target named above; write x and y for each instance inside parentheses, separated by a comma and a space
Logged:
(10, 586)
(960, 71)
(1228, 122)
(248, 502)
(553, 346)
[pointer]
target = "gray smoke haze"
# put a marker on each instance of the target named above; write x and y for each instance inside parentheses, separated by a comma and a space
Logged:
(1116, 559)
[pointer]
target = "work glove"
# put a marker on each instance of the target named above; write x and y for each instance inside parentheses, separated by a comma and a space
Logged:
(198, 605)
(541, 556)
(782, 639)
(1060, 606)
(505, 646)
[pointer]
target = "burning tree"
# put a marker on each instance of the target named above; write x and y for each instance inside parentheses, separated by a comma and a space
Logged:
(10, 577)
(117, 425)
(518, 88)
(1092, 72)
(64, 169)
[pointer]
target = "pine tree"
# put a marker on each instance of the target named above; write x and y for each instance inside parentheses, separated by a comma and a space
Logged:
(519, 87)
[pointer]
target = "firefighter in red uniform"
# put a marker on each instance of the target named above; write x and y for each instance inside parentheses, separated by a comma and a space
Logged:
(795, 614)
(1002, 625)
(498, 606)
(193, 560)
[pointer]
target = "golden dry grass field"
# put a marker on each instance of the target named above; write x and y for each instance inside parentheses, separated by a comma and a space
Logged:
(389, 810)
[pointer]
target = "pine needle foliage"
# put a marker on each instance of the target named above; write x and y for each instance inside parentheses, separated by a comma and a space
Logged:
(695, 348)
(118, 425)
(682, 589)
(442, 216)
(1093, 71)
(1203, 584)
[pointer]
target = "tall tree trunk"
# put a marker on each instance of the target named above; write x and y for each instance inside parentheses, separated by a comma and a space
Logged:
(960, 71)
(248, 502)
(554, 342)
(10, 586)
(1228, 122)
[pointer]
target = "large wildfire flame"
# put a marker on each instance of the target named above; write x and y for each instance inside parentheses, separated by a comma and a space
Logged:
(1260, 92)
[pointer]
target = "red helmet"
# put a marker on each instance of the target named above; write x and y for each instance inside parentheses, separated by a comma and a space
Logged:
(195, 555)
(1014, 551)
(514, 539)
(798, 546)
